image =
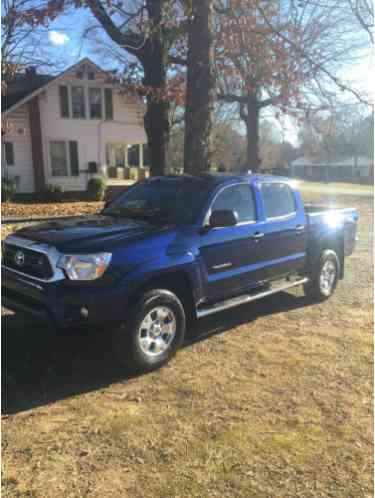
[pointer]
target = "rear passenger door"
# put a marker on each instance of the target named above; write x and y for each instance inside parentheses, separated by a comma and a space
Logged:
(231, 256)
(285, 234)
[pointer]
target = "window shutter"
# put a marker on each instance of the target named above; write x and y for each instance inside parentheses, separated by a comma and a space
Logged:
(9, 154)
(73, 153)
(108, 103)
(64, 101)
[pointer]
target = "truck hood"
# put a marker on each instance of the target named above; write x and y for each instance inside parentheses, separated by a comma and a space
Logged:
(88, 232)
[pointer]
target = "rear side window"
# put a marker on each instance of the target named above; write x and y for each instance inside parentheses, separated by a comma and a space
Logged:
(238, 198)
(278, 199)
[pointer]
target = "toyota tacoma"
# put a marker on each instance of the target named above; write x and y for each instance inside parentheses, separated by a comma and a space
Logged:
(174, 248)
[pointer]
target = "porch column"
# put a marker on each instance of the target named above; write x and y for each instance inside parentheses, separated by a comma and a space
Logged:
(36, 145)
(126, 155)
(141, 155)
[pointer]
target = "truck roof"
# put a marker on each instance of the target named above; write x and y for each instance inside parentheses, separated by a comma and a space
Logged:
(225, 178)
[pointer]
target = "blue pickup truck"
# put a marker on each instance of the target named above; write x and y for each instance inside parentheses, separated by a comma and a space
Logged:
(173, 248)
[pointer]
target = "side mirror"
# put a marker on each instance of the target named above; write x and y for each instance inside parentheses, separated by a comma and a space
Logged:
(223, 218)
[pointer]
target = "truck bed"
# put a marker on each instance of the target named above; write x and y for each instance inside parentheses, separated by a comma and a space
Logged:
(326, 217)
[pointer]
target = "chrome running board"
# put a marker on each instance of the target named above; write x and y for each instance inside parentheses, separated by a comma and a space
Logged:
(246, 298)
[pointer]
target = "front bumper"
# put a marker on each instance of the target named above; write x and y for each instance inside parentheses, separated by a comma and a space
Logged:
(59, 303)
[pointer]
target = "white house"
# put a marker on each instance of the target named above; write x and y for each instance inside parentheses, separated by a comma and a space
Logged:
(64, 129)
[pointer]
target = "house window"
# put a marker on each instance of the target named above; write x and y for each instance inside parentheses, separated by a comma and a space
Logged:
(64, 158)
(95, 102)
(80, 74)
(90, 75)
(108, 103)
(59, 158)
(8, 153)
(133, 155)
(78, 101)
(64, 101)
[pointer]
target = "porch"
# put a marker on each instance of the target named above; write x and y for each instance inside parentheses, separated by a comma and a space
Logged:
(126, 163)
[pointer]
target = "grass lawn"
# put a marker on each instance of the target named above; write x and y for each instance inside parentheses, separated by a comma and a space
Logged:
(336, 185)
(269, 400)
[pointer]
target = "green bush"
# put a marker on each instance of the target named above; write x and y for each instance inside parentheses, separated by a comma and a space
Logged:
(96, 188)
(8, 189)
(54, 193)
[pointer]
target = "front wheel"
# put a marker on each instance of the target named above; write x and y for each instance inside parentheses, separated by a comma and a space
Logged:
(154, 331)
(324, 281)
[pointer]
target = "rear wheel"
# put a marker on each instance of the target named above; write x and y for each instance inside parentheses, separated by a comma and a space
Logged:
(323, 283)
(153, 332)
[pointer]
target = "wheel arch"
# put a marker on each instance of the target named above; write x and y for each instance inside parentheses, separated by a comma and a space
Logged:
(177, 281)
(334, 242)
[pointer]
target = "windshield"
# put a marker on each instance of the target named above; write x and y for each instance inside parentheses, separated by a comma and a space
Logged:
(162, 201)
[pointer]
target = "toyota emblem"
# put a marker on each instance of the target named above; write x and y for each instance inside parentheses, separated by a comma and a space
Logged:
(19, 258)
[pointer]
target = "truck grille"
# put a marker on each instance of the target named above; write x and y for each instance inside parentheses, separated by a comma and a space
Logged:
(25, 260)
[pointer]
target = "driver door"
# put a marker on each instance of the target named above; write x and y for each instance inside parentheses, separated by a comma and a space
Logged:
(232, 256)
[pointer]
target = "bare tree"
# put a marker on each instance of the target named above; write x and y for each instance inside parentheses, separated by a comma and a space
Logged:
(284, 54)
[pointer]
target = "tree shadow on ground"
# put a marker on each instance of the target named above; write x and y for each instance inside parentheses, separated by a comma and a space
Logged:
(39, 367)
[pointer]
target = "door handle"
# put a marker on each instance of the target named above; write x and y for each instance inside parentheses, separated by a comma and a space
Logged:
(299, 228)
(257, 235)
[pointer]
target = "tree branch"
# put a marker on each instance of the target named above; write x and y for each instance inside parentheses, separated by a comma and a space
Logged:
(307, 57)
(131, 42)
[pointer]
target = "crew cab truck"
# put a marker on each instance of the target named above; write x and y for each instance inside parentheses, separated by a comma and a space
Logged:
(173, 248)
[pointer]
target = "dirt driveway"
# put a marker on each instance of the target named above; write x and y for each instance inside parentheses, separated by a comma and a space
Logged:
(267, 400)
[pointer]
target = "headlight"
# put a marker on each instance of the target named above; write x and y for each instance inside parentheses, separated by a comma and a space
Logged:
(84, 266)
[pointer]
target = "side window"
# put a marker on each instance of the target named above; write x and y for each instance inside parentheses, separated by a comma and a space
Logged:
(238, 198)
(278, 199)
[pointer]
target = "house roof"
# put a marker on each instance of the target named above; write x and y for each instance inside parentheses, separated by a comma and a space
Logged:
(22, 86)
(349, 161)
(25, 86)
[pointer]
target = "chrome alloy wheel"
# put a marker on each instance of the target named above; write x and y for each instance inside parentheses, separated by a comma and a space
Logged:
(327, 277)
(157, 331)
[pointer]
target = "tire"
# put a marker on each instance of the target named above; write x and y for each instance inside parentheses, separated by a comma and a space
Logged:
(153, 332)
(324, 281)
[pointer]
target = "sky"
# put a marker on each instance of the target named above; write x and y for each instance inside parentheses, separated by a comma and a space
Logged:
(65, 39)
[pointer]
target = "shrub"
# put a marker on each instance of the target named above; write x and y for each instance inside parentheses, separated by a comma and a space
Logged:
(96, 188)
(8, 189)
(54, 193)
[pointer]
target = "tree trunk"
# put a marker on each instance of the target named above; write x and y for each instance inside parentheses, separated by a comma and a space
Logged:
(252, 134)
(200, 88)
(156, 119)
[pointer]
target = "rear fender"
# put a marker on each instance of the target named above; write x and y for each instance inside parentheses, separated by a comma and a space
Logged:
(328, 239)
